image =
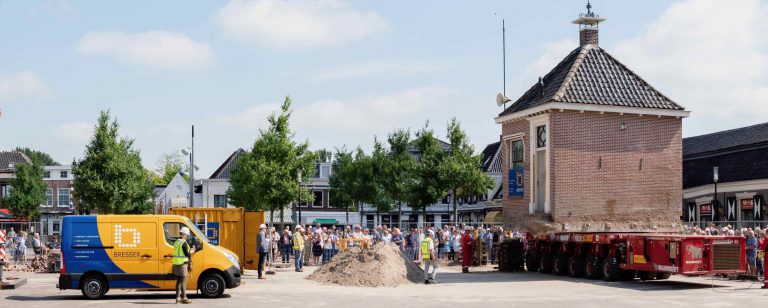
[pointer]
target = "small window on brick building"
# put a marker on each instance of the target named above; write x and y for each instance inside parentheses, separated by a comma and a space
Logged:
(516, 154)
(541, 136)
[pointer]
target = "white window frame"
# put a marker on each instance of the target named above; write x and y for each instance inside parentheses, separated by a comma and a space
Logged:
(48, 192)
(322, 196)
(58, 197)
(64, 174)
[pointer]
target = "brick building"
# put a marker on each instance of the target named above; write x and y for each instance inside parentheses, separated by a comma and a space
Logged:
(59, 200)
(592, 142)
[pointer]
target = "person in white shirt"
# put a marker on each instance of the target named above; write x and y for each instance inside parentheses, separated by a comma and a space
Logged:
(387, 238)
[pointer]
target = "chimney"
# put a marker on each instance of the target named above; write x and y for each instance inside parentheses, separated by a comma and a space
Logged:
(588, 27)
(588, 36)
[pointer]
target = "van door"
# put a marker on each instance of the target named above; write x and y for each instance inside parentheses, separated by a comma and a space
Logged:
(134, 250)
(170, 235)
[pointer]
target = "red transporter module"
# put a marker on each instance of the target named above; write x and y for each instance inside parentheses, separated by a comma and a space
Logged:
(624, 256)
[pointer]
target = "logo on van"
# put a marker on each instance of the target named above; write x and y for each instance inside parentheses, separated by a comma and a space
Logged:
(134, 235)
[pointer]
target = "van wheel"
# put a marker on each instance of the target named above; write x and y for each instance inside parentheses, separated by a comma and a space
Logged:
(94, 286)
(212, 285)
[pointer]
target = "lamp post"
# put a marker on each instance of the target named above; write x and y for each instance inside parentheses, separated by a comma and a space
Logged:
(715, 177)
(192, 167)
(298, 194)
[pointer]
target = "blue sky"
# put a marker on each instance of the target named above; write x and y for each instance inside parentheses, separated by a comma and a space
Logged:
(354, 69)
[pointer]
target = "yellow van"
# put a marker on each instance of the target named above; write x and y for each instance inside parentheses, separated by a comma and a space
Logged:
(136, 252)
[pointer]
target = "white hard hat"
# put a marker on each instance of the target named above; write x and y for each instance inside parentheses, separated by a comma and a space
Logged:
(184, 230)
(262, 226)
(431, 232)
(298, 227)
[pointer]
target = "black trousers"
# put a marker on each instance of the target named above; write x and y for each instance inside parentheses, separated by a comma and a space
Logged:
(262, 261)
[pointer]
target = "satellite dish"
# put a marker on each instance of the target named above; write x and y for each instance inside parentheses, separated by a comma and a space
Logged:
(501, 99)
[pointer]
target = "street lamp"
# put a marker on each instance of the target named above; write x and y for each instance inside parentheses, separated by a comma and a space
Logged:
(298, 194)
(715, 178)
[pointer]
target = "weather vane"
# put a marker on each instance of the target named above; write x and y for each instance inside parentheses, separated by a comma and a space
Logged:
(589, 11)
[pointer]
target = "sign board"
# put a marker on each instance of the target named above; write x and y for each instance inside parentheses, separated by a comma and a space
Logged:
(212, 232)
(516, 181)
(705, 209)
(747, 204)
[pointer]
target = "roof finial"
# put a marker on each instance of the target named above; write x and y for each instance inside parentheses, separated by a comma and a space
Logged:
(589, 9)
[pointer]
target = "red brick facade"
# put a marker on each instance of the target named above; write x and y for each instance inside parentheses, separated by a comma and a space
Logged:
(601, 173)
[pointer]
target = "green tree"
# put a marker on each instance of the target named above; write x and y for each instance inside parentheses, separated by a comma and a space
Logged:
(398, 169)
(110, 178)
(43, 158)
(170, 164)
(264, 178)
(155, 178)
(343, 180)
(324, 156)
(369, 186)
(461, 170)
(27, 190)
(426, 188)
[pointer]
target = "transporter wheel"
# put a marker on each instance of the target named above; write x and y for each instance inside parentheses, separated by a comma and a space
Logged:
(212, 285)
(575, 266)
(611, 269)
(627, 275)
(593, 267)
(560, 264)
(645, 275)
(662, 276)
(94, 286)
(532, 262)
(545, 263)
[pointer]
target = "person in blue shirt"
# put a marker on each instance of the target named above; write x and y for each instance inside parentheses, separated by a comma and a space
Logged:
(751, 253)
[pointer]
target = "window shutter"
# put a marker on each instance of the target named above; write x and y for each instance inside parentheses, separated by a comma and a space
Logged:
(758, 207)
(731, 208)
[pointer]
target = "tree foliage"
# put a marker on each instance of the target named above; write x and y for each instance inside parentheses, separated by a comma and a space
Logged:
(169, 165)
(398, 168)
(110, 178)
(27, 190)
(343, 181)
(41, 158)
(426, 188)
(461, 170)
(264, 178)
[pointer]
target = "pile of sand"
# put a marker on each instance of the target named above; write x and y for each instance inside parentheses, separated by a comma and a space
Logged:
(381, 266)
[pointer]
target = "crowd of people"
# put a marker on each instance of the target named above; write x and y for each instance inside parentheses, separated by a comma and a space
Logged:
(17, 244)
(316, 245)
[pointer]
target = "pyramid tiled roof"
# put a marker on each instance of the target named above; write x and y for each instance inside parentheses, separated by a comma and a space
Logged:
(589, 75)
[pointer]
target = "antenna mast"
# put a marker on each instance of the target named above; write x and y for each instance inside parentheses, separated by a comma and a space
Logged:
(504, 59)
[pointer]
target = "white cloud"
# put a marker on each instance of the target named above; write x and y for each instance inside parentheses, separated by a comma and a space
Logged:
(297, 24)
(332, 123)
(155, 49)
(718, 70)
(25, 85)
(74, 132)
(378, 68)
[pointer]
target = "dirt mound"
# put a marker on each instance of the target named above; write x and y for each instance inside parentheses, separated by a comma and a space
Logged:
(381, 266)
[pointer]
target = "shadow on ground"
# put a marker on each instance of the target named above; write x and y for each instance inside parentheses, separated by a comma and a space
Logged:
(637, 284)
(170, 297)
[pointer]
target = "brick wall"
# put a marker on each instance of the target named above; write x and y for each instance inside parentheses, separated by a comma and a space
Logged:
(596, 172)
(515, 207)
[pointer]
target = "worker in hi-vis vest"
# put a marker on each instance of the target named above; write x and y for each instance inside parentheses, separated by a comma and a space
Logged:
(181, 254)
(428, 257)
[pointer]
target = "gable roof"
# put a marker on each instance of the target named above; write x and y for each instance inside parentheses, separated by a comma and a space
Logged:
(726, 140)
(489, 158)
(224, 170)
(589, 75)
(9, 159)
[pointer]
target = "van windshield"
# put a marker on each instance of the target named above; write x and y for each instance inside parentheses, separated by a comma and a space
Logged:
(201, 234)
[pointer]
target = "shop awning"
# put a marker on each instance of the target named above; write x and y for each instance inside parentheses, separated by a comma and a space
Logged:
(494, 217)
(326, 221)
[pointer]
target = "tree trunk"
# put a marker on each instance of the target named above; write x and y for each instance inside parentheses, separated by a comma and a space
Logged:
(455, 210)
(272, 217)
(424, 214)
(346, 210)
(281, 217)
(400, 215)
